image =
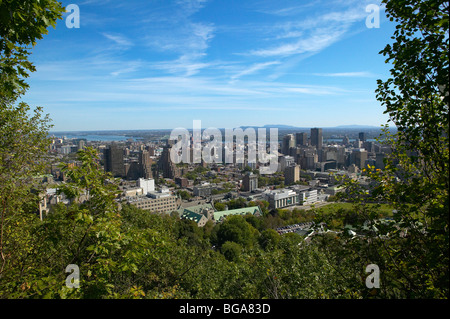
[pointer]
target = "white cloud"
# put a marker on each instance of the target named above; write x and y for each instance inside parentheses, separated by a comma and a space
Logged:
(315, 90)
(186, 65)
(317, 41)
(346, 74)
(312, 33)
(118, 39)
(254, 68)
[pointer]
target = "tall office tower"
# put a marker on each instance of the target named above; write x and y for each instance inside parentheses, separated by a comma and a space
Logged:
(291, 174)
(301, 139)
(309, 158)
(132, 170)
(362, 136)
(165, 164)
(285, 161)
(379, 160)
(145, 164)
(250, 182)
(316, 138)
(345, 141)
(288, 142)
(81, 144)
(114, 163)
(358, 157)
(341, 156)
(151, 150)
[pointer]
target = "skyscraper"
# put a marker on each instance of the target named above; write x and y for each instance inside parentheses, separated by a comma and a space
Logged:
(362, 136)
(145, 164)
(165, 164)
(316, 138)
(301, 139)
(358, 157)
(291, 174)
(114, 163)
(288, 142)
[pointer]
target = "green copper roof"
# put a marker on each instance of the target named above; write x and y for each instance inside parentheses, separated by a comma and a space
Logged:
(192, 216)
(196, 209)
(239, 211)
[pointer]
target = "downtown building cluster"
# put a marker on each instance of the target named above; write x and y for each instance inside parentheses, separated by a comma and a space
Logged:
(306, 175)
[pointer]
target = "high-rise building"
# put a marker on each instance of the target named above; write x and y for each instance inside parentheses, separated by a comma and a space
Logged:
(362, 136)
(81, 144)
(285, 161)
(132, 170)
(379, 160)
(151, 150)
(145, 164)
(359, 157)
(316, 137)
(250, 182)
(291, 174)
(165, 164)
(345, 141)
(301, 139)
(114, 163)
(287, 144)
(308, 158)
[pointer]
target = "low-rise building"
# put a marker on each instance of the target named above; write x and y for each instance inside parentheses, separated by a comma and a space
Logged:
(280, 198)
(220, 216)
(159, 202)
(198, 218)
(203, 190)
(308, 197)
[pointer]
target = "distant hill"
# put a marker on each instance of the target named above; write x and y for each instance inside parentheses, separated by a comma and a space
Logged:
(280, 126)
(353, 126)
(357, 126)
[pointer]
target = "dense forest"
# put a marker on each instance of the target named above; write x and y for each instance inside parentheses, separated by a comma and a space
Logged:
(124, 252)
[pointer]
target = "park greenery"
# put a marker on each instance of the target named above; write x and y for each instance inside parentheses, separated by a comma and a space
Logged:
(400, 223)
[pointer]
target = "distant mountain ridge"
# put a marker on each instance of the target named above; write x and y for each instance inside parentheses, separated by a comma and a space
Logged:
(278, 126)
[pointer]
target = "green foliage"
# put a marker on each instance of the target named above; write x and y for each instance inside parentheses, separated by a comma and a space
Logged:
(184, 194)
(270, 180)
(411, 249)
(23, 141)
(236, 229)
(22, 23)
(269, 239)
(219, 206)
(239, 202)
(231, 250)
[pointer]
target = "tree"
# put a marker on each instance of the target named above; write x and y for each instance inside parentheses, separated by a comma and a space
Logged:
(411, 250)
(219, 206)
(186, 228)
(417, 101)
(236, 229)
(22, 23)
(184, 194)
(231, 250)
(269, 239)
(23, 137)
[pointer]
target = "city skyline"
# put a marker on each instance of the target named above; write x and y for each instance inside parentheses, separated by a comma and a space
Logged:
(162, 65)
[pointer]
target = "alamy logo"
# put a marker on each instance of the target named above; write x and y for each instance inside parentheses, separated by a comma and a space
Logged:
(210, 146)
(373, 19)
(373, 280)
(73, 280)
(73, 19)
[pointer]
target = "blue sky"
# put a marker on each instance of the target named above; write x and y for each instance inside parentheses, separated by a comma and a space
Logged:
(162, 64)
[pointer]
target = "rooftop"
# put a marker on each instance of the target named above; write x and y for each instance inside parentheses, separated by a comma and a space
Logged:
(240, 211)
